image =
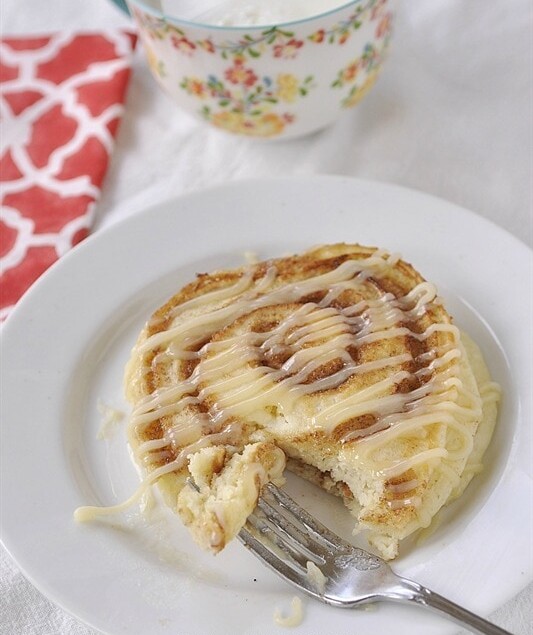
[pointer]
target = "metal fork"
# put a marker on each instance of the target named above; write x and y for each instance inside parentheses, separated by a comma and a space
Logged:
(286, 538)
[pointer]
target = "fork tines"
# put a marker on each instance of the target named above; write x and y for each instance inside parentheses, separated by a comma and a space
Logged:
(286, 537)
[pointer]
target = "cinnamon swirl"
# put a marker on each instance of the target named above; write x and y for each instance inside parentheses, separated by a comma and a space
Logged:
(341, 362)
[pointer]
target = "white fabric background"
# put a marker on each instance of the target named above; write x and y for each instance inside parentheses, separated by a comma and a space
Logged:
(450, 115)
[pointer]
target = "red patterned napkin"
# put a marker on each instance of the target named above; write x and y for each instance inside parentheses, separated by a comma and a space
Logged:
(60, 104)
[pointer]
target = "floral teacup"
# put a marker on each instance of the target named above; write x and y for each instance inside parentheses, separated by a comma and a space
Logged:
(277, 81)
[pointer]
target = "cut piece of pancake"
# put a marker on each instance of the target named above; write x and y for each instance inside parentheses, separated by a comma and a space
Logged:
(342, 360)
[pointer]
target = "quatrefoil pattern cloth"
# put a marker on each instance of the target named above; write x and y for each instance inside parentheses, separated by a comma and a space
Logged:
(61, 99)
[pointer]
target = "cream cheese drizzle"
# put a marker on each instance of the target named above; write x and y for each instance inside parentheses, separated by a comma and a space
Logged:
(294, 618)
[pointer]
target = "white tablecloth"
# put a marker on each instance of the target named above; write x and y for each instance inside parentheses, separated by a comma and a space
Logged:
(450, 115)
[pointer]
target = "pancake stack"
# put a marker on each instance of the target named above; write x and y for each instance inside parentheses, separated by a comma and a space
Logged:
(340, 363)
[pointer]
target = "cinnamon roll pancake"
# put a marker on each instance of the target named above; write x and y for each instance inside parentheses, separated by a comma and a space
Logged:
(340, 363)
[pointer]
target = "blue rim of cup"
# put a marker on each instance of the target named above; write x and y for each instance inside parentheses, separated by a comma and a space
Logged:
(218, 27)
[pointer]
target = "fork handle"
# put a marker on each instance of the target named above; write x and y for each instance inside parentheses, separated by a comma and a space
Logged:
(414, 592)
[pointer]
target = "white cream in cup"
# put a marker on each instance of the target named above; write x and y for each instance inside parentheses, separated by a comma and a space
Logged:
(247, 12)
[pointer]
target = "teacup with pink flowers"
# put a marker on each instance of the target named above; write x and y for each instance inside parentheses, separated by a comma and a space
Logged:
(275, 81)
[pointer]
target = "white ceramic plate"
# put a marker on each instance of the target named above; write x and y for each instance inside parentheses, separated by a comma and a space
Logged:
(65, 346)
